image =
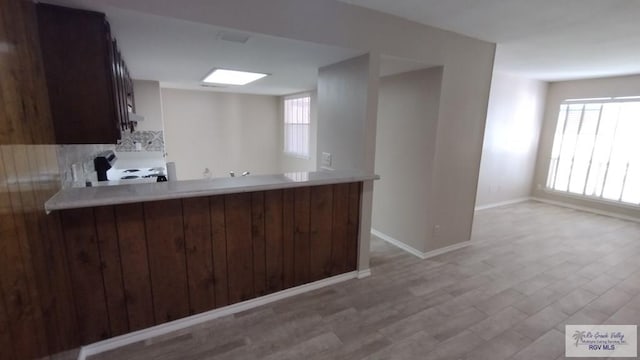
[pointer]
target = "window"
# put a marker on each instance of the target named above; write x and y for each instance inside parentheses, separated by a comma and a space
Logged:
(297, 115)
(596, 149)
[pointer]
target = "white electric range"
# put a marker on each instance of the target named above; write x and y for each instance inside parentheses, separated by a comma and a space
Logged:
(134, 168)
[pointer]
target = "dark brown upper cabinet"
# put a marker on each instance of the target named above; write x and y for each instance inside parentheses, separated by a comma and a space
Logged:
(90, 90)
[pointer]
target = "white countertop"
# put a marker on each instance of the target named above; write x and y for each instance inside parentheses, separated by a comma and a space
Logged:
(132, 193)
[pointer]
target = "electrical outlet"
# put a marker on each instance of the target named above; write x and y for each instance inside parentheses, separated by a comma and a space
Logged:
(436, 230)
(326, 159)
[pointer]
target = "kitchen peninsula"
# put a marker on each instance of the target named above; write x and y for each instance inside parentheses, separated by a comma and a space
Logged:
(144, 254)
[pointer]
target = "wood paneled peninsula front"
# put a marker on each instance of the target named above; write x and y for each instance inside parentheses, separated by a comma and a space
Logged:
(145, 254)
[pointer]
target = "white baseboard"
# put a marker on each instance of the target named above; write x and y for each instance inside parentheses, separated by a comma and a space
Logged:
(586, 209)
(446, 249)
(397, 243)
(364, 273)
(503, 203)
(416, 252)
(126, 339)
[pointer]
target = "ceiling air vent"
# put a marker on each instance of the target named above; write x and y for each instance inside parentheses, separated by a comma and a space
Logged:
(232, 36)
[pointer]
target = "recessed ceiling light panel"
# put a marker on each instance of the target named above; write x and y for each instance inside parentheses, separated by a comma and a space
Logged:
(232, 77)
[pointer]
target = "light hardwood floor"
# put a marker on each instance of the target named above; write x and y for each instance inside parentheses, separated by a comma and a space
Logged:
(531, 269)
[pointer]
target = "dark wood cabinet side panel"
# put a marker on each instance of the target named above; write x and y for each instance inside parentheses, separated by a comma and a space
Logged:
(320, 243)
(135, 265)
(288, 238)
(239, 247)
(274, 240)
(107, 231)
(198, 245)
(219, 242)
(78, 80)
(258, 238)
(167, 259)
(86, 274)
(339, 229)
(353, 226)
(301, 252)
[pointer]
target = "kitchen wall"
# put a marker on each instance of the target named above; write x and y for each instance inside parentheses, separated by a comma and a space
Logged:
(149, 133)
(222, 132)
(290, 163)
(468, 64)
(405, 148)
(511, 135)
(578, 89)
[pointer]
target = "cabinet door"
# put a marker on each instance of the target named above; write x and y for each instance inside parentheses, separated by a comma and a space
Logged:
(78, 72)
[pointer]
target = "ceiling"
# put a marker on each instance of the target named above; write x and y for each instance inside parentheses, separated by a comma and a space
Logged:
(542, 39)
(179, 54)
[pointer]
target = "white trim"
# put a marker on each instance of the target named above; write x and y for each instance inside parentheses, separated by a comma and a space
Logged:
(126, 339)
(416, 252)
(398, 243)
(587, 209)
(364, 273)
(503, 203)
(446, 249)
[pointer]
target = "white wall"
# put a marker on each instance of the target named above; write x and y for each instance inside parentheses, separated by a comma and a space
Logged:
(511, 135)
(289, 163)
(221, 131)
(577, 89)
(405, 148)
(148, 104)
(342, 112)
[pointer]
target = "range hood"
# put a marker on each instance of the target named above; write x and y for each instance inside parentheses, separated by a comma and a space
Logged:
(135, 117)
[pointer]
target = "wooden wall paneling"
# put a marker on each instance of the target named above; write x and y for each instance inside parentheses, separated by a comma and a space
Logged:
(321, 210)
(6, 347)
(353, 226)
(16, 272)
(219, 243)
(30, 246)
(340, 224)
(258, 238)
(135, 265)
(288, 238)
(301, 254)
(7, 234)
(199, 251)
(48, 257)
(12, 130)
(167, 259)
(59, 310)
(239, 247)
(274, 240)
(86, 274)
(61, 314)
(107, 232)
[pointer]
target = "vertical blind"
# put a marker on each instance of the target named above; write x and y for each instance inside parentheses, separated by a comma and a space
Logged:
(297, 116)
(596, 150)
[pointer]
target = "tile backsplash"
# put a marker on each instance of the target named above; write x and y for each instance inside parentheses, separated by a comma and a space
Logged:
(149, 141)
